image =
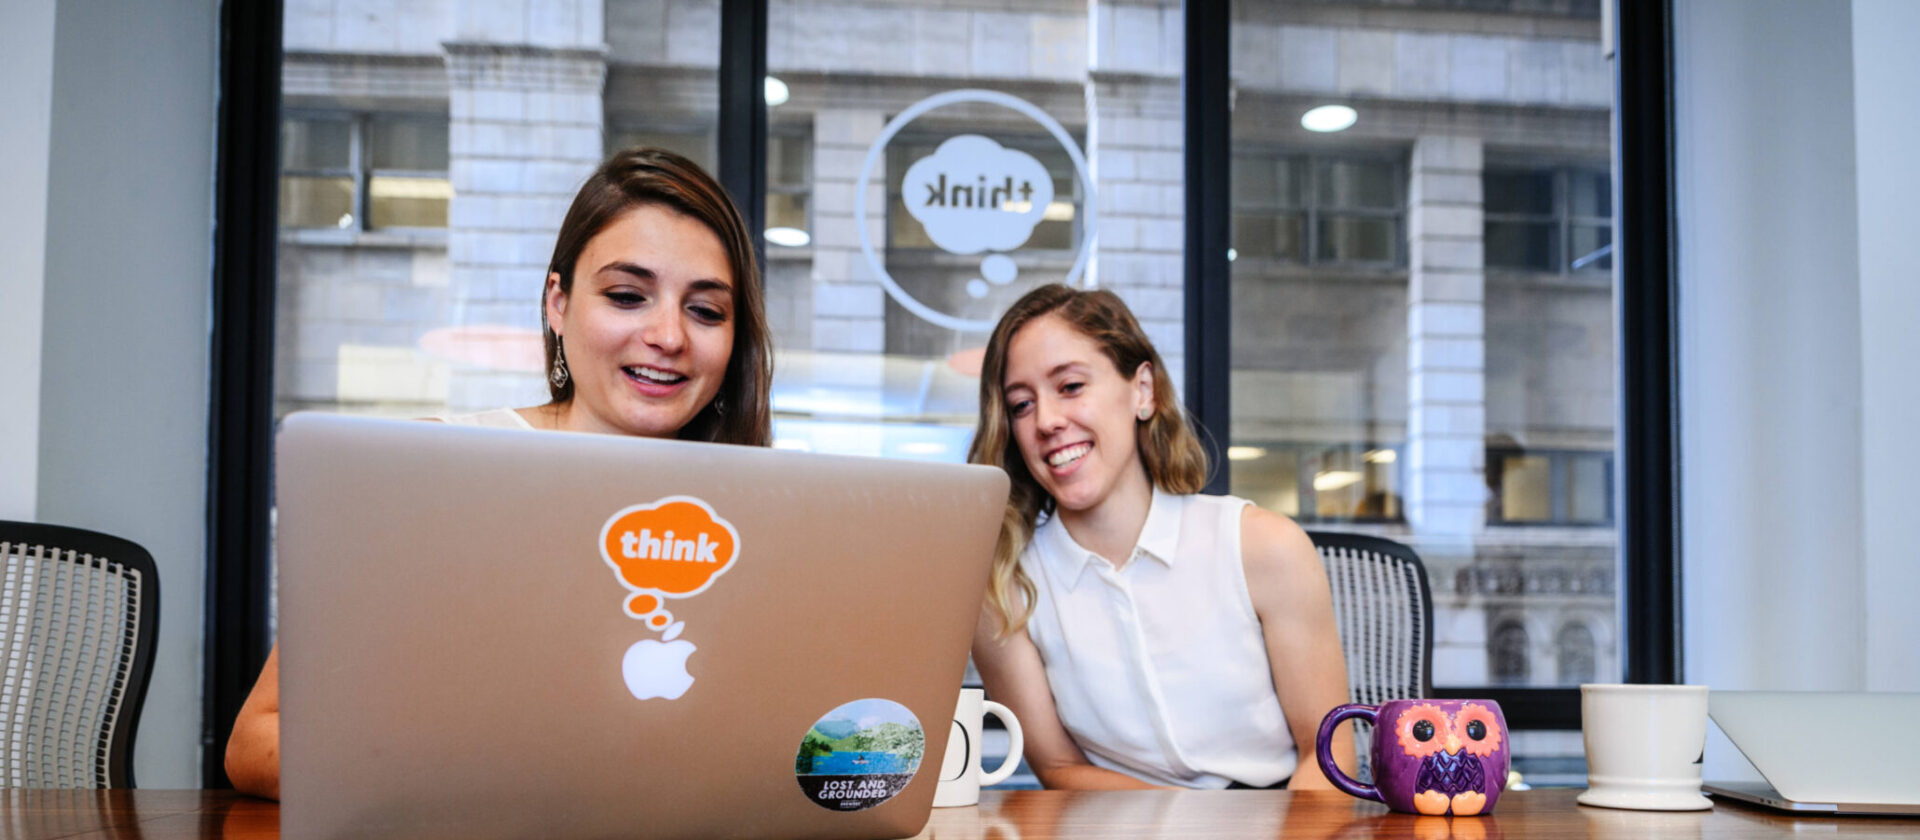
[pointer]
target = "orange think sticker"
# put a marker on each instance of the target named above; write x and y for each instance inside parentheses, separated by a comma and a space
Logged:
(671, 548)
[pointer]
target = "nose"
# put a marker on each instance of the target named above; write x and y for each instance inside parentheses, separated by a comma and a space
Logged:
(663, 330)
(1047, 418)
(1453, 743)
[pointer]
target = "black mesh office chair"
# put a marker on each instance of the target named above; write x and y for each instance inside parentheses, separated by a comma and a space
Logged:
(79, 613)
(1384, 608)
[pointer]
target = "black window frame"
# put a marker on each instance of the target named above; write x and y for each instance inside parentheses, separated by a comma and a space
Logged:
(1647, 498)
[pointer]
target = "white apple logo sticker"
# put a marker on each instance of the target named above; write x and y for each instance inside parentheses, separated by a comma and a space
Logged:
(659, 669)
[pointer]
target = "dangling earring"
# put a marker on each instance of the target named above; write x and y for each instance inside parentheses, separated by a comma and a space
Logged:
(719, 404)
(559, 375)
(1145, 413)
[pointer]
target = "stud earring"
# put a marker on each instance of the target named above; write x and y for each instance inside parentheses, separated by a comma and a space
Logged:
(559, 375)
(1145, 413)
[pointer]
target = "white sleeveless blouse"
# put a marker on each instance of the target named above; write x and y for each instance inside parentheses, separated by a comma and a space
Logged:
(1158, 669)
(499, 418)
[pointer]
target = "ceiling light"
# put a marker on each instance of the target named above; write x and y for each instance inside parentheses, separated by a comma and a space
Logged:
(1245, 453)
(776, 92)
(788, 237)
(1334, 480)
(1382, 456)
(1329, 118)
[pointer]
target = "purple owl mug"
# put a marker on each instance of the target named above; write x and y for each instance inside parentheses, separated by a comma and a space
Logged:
(1429, 756)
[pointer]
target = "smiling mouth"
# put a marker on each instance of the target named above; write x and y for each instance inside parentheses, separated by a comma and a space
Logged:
(653, 376)
(1069, 454)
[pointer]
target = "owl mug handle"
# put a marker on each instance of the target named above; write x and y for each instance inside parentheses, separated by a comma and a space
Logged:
(1324, 742)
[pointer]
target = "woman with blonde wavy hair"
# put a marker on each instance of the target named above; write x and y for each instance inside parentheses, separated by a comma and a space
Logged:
(1144, 633)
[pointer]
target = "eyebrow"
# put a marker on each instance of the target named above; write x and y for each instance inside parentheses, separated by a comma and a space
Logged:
(1057, 369)
(642, 272)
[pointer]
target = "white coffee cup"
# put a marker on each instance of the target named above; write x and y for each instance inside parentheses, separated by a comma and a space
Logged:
(960, 776)
(1644, 746)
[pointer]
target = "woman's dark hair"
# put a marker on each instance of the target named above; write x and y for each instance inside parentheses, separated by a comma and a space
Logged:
(741, 412)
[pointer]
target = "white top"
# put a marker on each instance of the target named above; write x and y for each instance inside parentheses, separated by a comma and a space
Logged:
(1158, 668)
(499, 418)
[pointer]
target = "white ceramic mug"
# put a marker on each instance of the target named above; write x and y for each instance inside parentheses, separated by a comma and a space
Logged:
(960, 775)
(1644, 746)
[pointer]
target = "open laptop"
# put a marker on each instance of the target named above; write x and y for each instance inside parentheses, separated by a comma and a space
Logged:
(1823, 753)
(501, 633)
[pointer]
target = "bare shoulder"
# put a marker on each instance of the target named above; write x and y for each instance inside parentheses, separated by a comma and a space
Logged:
(1278, 556)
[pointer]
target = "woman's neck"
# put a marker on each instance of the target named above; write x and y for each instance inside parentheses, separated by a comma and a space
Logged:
(1112, 527)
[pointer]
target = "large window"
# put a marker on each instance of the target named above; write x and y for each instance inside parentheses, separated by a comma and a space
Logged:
(364, 171)
(1319, 209)
(1550, 219)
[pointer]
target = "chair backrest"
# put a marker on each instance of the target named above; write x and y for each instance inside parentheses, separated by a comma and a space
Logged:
(79, 614)
(1384, 609)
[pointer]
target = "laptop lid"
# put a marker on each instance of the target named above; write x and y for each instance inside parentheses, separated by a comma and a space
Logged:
(1846, 749)
(471, 618)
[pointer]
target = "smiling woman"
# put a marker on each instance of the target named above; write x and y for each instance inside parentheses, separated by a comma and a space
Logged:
(654, 289)
(1143, 633)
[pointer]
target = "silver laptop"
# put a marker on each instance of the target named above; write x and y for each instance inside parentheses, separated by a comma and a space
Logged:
(1827, 753)
(498, 633)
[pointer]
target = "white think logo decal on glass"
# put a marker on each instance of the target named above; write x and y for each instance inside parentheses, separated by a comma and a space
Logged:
(973, 196)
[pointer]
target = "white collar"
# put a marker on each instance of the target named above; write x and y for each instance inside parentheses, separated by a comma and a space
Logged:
(1158, 538)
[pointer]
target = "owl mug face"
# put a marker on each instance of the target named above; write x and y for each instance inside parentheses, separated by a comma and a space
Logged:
(1430, 756)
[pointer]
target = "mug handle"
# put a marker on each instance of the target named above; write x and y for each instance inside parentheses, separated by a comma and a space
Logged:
(1321, 743)
(1012, 762)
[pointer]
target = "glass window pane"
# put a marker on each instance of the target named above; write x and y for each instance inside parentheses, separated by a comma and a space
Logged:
(1592, 249)
(408, 145)
(1523, 246)
(1591, 194)
(1589, 488)
(1357, 240)
(1254, 181)
(1357, 184)
(408, 202)
(311, 202)
(310, 144)
(1526, 488)
(1268, 476)
(1519, 191)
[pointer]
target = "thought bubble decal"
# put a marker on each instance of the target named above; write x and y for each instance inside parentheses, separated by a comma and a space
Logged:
(973, 194)
(671, 548)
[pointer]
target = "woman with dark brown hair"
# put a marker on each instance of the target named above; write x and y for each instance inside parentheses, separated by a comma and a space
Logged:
(1144, 633)
(654, 326)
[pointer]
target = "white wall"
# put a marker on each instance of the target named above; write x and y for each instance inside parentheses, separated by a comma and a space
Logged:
(124, 355)
(1796, 389)
(26, 96)
(1886, 121)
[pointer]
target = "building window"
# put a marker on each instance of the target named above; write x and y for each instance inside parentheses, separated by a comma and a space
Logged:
(364, 172)
(789, 169)
(1549, 487)
(1508, 652)
(1319, 210)
(1554, 220)
(1319, 482)
(1575, 651)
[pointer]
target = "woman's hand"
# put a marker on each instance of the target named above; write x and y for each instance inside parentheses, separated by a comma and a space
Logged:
(253, 751)
(1014, 675)
(1291, 597)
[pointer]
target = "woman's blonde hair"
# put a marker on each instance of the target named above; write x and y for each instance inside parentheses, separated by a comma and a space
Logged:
(1174, 458)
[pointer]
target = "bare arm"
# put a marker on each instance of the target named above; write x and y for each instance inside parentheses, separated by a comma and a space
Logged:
(253, 752)
(1014, 675)
(1295, 606)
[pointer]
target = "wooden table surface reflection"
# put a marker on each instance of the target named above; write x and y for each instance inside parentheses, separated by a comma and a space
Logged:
(1020, 815)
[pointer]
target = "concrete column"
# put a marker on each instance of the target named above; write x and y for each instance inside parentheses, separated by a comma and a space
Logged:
(849, 305)
(1135, 139)
(526, 131)
(1446, 340)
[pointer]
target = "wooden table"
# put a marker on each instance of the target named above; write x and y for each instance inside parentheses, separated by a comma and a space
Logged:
(1021, 815)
